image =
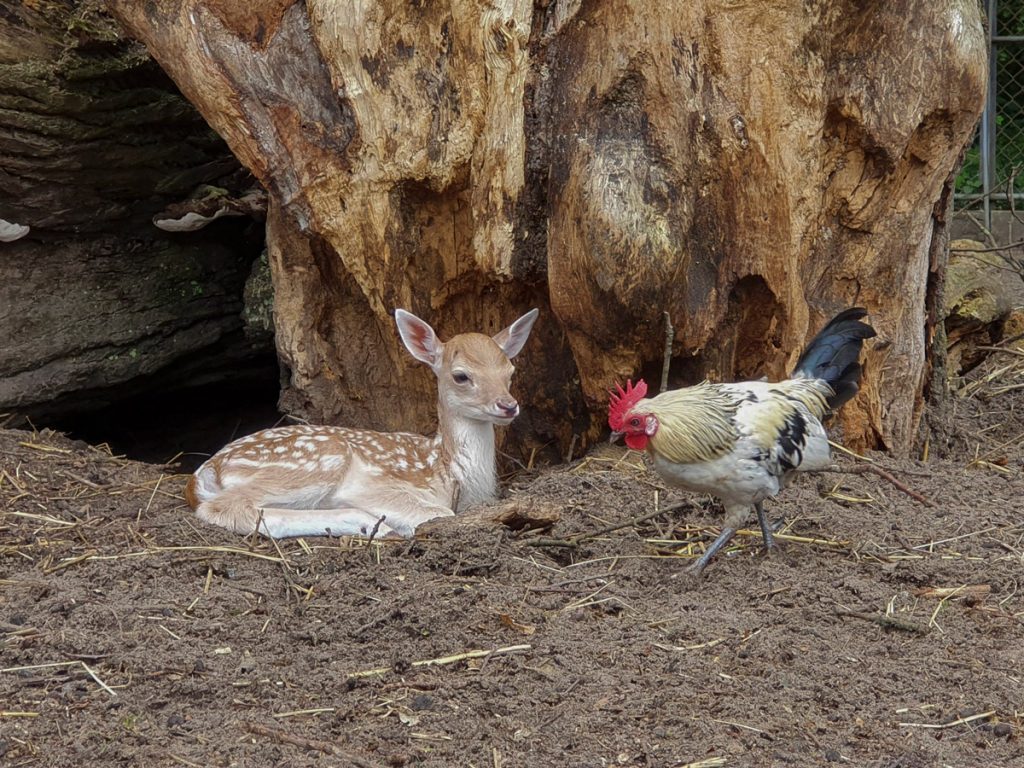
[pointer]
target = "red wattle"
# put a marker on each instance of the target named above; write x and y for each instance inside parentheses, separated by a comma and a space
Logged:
(636, 442)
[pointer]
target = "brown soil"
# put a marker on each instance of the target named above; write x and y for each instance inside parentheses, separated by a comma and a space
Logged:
(135, 635)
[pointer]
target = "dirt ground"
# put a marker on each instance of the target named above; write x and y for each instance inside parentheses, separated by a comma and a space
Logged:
(135, 635)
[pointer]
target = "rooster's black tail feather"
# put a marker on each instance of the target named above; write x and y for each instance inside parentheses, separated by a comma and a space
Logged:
(834, 353)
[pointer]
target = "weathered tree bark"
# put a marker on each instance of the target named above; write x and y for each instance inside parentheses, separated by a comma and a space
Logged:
(749, 167)
(94, 140)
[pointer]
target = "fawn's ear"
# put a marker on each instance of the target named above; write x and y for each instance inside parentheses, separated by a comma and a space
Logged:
(512, 339)
(419, 338)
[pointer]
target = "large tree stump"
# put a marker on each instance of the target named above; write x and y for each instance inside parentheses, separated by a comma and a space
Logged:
(750, 168)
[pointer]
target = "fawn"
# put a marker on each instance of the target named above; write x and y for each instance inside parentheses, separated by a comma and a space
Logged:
(320, 480)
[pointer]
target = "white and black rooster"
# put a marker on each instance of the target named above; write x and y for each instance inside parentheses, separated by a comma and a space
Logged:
(742, 442)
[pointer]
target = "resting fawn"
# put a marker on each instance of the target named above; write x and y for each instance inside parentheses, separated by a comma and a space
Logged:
(318, 480)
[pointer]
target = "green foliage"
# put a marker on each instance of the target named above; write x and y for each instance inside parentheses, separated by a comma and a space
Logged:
(1008, 104)
(968, 182)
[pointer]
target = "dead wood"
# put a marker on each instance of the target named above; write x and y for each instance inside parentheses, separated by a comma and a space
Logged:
(515, 514)
(318, 745)
(874, 469)
(883, 620)
(749, 168)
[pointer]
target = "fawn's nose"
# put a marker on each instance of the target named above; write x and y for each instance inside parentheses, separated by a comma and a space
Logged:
(508, 406)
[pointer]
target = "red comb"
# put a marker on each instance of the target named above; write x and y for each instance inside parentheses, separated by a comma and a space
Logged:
(620, 402)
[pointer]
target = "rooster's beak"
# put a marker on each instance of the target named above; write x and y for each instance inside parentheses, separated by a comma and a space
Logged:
(614, 437)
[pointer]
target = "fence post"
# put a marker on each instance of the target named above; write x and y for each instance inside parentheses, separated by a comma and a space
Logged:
(987, 135)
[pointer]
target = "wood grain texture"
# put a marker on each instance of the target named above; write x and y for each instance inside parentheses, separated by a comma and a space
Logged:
(753, 169)
(749, 167)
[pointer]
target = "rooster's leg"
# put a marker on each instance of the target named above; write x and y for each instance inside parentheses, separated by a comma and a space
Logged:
(723, 538)
(766, 527)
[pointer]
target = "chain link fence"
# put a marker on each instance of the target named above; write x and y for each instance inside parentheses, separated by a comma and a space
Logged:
(992, 177)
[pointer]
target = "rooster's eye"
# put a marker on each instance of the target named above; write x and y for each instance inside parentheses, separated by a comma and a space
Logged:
(634, 422)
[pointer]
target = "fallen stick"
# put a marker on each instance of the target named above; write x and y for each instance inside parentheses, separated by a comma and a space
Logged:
(301, 712)
(516, 514)
(70, 562)
(189, 548)
(953, 724)
(443, 660)
(316, 744)
(575, 541)
(889, 622)
(874, 469)
(71, 663)
(944, 593)
(373, 533)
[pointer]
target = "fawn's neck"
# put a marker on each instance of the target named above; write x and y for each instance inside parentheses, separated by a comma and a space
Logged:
(467, 446)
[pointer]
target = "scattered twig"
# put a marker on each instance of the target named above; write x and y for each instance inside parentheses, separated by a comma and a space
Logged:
(43, 518)
(443, 660)
(889, 622)
(564, 586)
(1003, 350)
(695, 647)
(740, 725)
(326, 747)
(1009, 247)
(287, 572)
(930, 546)
(192, 548)
(381, 617)
(152, 496)
(83, 481)
(755, 534)
(72, 663)
(852, 454)
(975, 220)
(944, 593)
(373, 533)
(954, 723)
(572, 447)
(1009, 340)
(575, 541)
(301, 712)
(1011, 185)
(860, 469)
(70, 561)
(44, 448)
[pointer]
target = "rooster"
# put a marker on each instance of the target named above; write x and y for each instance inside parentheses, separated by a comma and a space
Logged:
(742, 442)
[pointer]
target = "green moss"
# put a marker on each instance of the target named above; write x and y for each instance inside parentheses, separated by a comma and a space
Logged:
(978, 305)
(258, 312)
(75, 66)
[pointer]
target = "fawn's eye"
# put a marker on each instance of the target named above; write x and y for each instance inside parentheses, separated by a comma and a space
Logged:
(460, 378)
(634, 422)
